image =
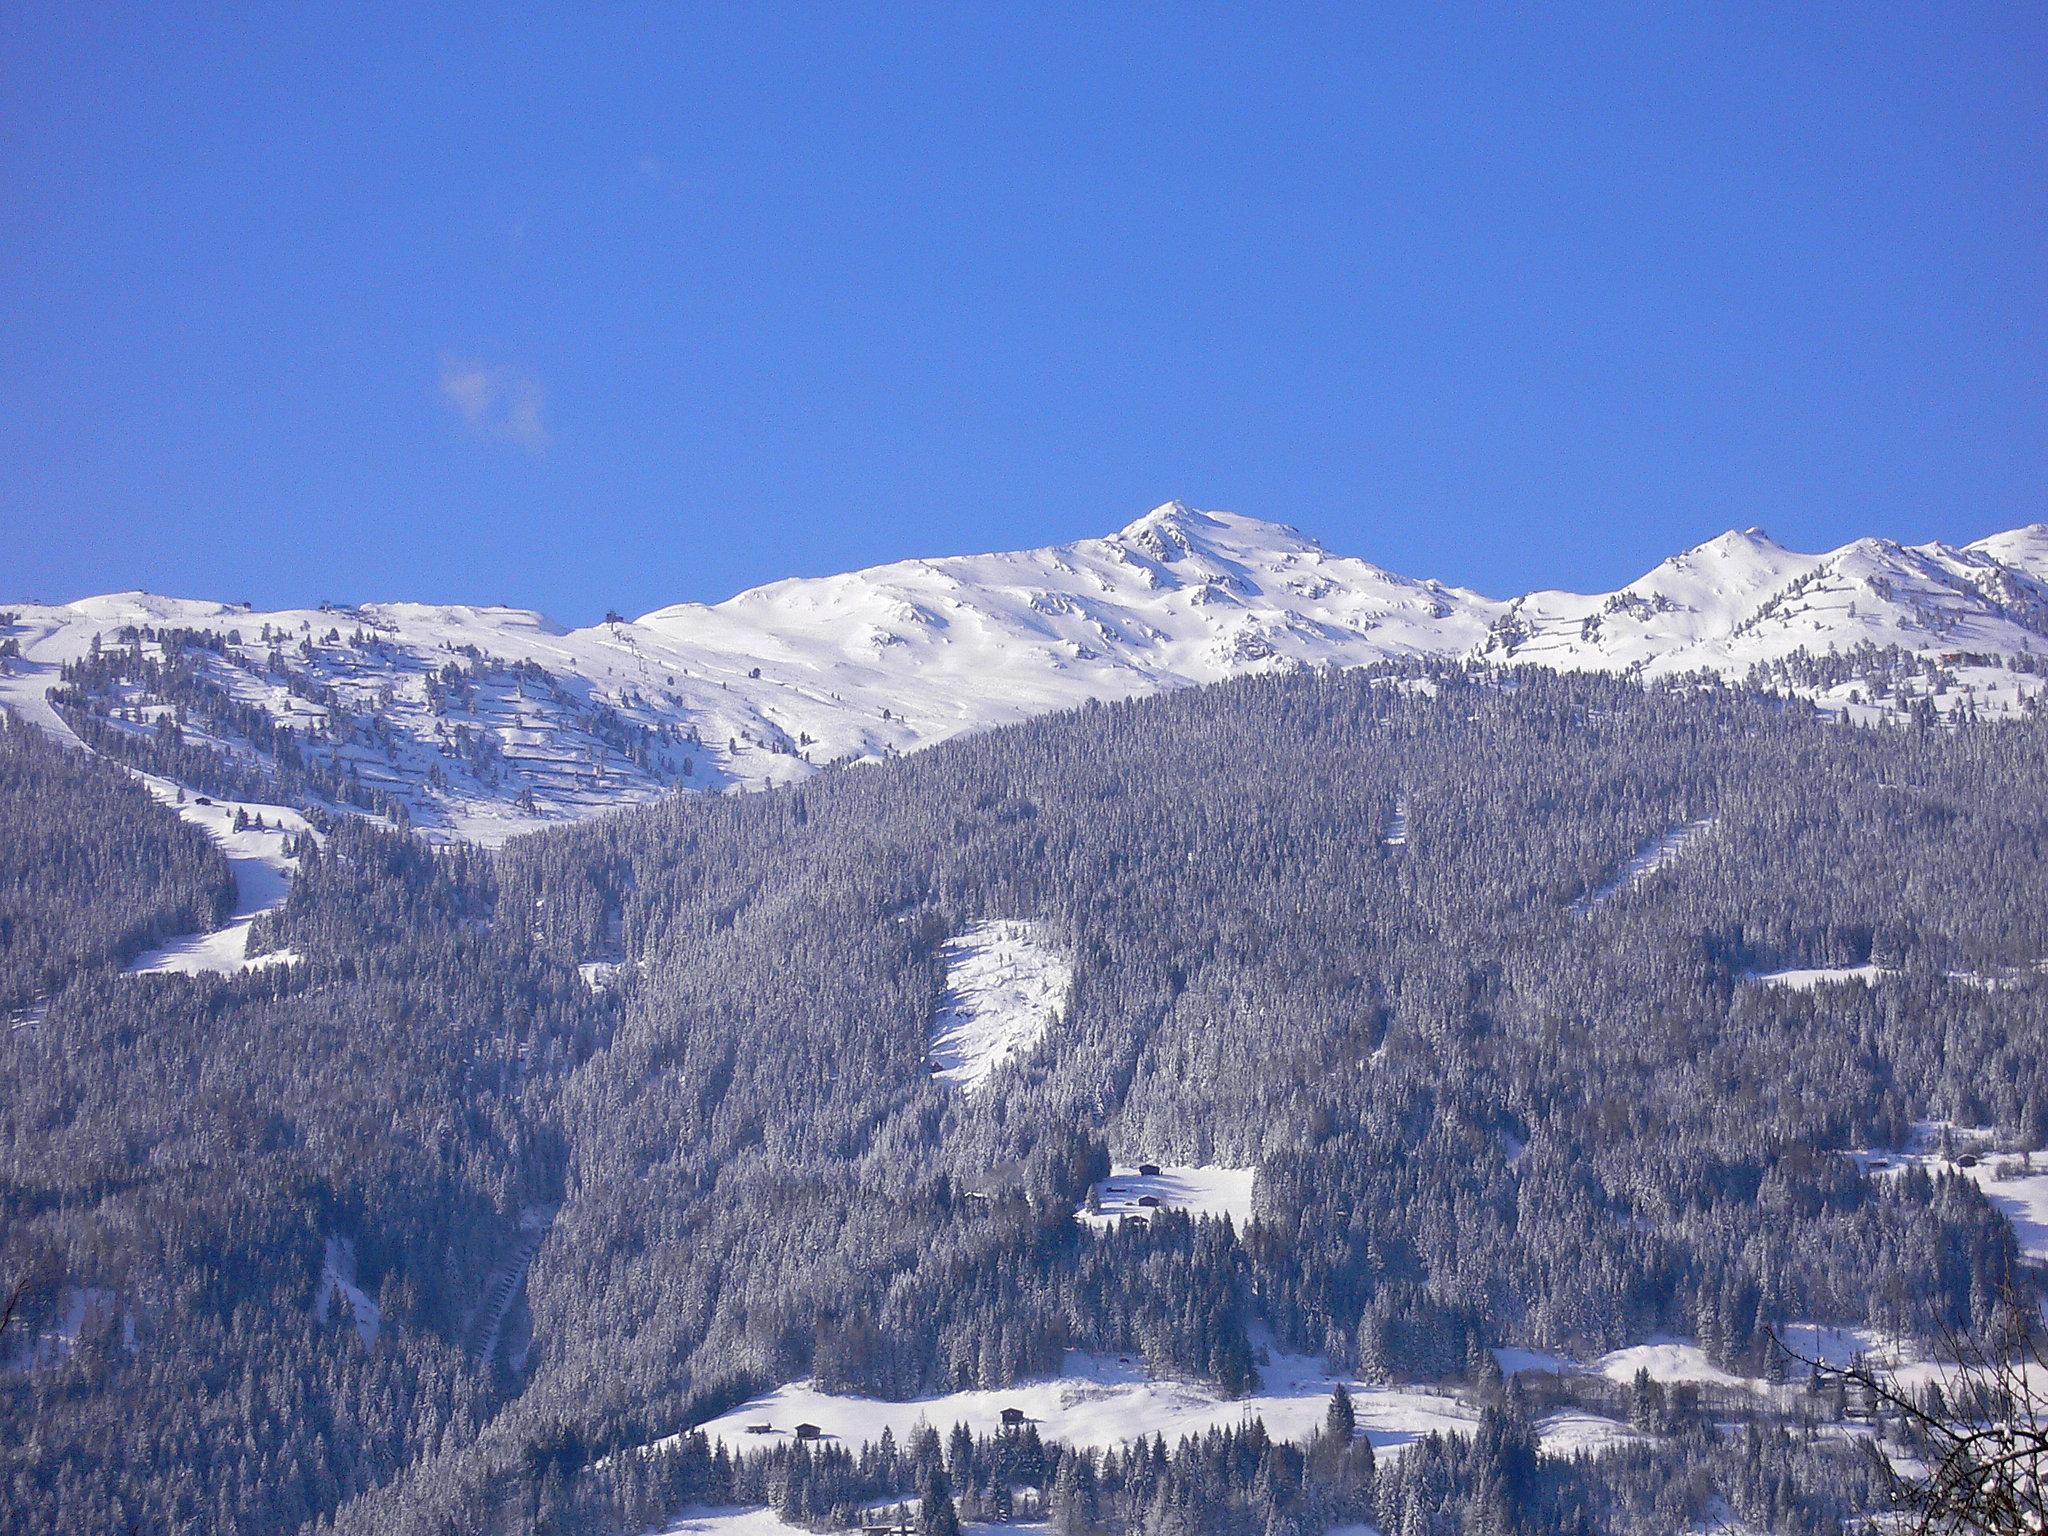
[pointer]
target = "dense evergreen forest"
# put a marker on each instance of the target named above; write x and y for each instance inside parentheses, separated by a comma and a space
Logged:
(92, 870)
(1496, 1093)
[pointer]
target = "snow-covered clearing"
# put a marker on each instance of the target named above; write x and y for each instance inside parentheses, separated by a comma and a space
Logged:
(1396, 834)
(1198, 1189)
(765, 1522)
(1806, 978)
(82, 1307)
(1572, 1431)
(1099, 1401)
(338, 1276)
(262, 869)
(1999, 978)
(732, 1522)
(602, 975)
(1005, 987)
(2012, 1181)
(1659, 853)
(1672, 1361)
(1668, 1360)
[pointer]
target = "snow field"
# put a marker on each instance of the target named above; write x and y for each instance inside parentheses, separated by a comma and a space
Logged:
(765, 1522)
(1005, 987)
(1100, 1401)
(1806, 978)
(776, 682)
(1572, 1432)
(338, 1276)
(1396, 832)
(262, 871)
(2016, 1184)
(1200, 1190)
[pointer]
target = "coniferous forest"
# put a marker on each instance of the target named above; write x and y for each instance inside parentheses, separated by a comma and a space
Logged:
(536, 1160)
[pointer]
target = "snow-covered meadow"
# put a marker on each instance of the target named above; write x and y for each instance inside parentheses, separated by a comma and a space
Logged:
(1005, 987)
(1100, 1401)
(2016, 1183)
(1199, 1190)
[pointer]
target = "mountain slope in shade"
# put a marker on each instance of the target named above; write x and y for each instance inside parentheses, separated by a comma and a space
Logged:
(478, 722)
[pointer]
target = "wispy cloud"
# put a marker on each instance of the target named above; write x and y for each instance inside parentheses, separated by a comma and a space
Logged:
(657, 173)
(500, 405)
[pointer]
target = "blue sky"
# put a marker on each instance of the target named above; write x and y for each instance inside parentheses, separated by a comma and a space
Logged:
(614, 306)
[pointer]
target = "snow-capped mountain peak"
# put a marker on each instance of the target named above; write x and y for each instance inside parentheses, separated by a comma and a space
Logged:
(478, 721)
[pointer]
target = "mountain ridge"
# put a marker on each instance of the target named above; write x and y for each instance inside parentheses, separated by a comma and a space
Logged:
(478, 721)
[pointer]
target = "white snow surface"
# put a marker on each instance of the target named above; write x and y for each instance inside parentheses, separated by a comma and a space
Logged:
(1806, 978)
(1667, 1360)
(338, 1276)
(1101, 1401)
(262, 872)
(1572, 1431)
(2015, 1183)
(1396, 834)
(765, 1522)
(767, 686)
(732, 1522)
(1198, 1189)
(1743, 598)
(1659, 853)
(1005, 987)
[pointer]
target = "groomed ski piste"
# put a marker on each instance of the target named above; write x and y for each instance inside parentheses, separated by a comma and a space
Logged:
(1005, 987)
(258, 858)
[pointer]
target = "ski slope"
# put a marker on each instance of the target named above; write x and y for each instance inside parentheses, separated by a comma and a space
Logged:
(262, 867)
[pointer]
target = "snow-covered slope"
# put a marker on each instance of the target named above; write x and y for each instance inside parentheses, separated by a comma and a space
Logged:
(1742, 604)
(258, 841)
(1098, 1402)
(479, 722)
(1005, 987)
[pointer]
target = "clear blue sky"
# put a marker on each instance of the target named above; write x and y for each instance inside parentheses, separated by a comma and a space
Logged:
(636, 304)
